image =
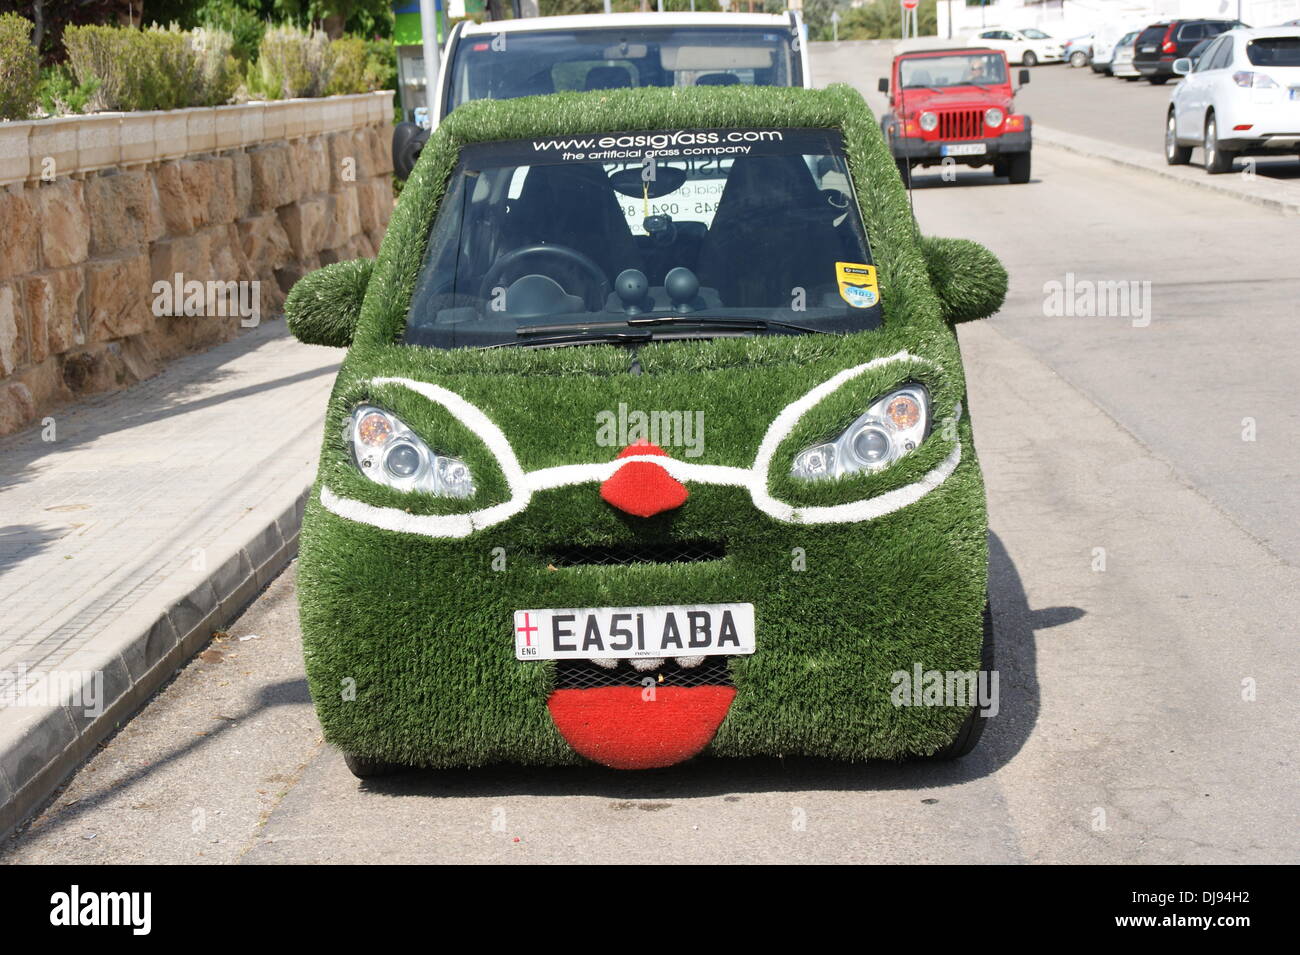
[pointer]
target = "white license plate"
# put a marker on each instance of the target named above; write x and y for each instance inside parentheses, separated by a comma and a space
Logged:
(630, 632)
(962, 149)
(1148, 49)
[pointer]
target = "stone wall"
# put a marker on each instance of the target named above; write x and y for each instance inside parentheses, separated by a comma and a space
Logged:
(82, 252)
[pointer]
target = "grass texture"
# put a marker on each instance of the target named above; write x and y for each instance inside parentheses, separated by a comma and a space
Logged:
(408, 639)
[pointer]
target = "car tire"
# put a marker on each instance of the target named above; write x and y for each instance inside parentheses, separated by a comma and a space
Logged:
(1217, 159)
(1175, 155)
(1157, 80)
(364, 768)
(1018, 168)
(1078, 59)
(1131, 79)
(1031, 59)
(973, 727)
(1000, 168)
(904, 171)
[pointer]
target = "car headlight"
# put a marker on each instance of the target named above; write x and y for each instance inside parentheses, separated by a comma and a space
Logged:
(929, 121)
(993, 116)
(892, 427)
(389, 453)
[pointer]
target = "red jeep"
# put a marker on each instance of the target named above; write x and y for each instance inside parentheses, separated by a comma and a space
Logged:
(956, 104)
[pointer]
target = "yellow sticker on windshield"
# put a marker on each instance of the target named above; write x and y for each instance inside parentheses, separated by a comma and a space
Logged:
(857, 284)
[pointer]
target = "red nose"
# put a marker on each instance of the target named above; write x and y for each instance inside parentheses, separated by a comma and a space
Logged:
(643, 488)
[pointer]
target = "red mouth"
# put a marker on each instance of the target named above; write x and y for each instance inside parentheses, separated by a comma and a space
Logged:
(634, 727)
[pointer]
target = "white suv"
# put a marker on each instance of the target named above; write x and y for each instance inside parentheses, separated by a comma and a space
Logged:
(1242, 97)
(1028, 47)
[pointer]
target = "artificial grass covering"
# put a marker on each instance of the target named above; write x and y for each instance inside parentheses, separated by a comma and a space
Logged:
(408, 638)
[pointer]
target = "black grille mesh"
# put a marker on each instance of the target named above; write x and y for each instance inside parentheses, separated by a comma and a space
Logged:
(585, 675)
(648, 552)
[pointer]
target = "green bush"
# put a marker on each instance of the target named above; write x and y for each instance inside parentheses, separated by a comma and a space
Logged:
(107, 55)
(349, 74)
(20, 68)
(155, 68)
(61, 95)
(217, 67)
(244, 26)
(381, 65)
(362, 65)
(294, 63)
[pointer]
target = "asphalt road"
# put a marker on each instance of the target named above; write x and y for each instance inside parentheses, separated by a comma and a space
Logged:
(1144, 585)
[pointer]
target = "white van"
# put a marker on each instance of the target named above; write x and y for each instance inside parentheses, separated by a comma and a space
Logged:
(507, 58)
(504, 59)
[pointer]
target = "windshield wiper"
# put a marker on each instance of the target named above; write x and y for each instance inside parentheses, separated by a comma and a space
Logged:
(575, 335)
(639, 332)
(706, 321)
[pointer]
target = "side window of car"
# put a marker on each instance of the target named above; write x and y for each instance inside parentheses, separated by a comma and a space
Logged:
(1191, 31)
(1222, 54)
(1207, 57)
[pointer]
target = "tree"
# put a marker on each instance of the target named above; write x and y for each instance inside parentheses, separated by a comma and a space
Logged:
(881, 19)
(49, 17)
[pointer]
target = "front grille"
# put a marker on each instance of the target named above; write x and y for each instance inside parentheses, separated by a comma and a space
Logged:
(614, 555)
(961, 124)
(585, 675)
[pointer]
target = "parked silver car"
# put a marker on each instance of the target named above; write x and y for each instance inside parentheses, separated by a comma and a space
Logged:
(1121, 62)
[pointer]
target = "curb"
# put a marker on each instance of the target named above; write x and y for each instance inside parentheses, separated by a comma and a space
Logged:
(136, 656)
(1279, 196)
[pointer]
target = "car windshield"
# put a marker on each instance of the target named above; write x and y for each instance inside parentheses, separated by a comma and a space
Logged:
(518, 63)
(1274, 51)
(646, 234)
(962, 69)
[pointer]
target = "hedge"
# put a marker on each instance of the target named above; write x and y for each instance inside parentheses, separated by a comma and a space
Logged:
(19, 67)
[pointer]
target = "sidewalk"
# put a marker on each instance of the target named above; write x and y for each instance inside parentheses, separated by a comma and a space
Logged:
(152, 517)
(1278, 194)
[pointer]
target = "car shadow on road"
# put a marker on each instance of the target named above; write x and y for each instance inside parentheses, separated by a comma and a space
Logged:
(965, 178)
(1016, 626)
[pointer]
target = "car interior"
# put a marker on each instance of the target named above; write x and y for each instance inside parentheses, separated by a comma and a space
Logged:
(554, 240)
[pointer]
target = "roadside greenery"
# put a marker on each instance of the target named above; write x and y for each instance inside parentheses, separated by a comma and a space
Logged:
(19, 67)
(214, 52)
(875, 20)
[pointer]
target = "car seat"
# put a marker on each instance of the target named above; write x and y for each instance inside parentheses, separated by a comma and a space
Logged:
(773, 217)
(572, 205)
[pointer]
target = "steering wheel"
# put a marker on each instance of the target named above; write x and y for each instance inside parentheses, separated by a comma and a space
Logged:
(599, 284)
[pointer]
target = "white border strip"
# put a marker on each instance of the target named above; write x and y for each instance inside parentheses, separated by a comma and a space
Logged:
(523, 484)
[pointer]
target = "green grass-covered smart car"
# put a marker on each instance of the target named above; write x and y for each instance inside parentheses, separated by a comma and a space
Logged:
(650, 440)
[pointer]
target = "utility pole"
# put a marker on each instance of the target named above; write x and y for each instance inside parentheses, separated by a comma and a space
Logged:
(429, 38)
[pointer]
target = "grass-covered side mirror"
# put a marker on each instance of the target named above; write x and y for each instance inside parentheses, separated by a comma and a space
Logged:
(323, 306)
(969, 280)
